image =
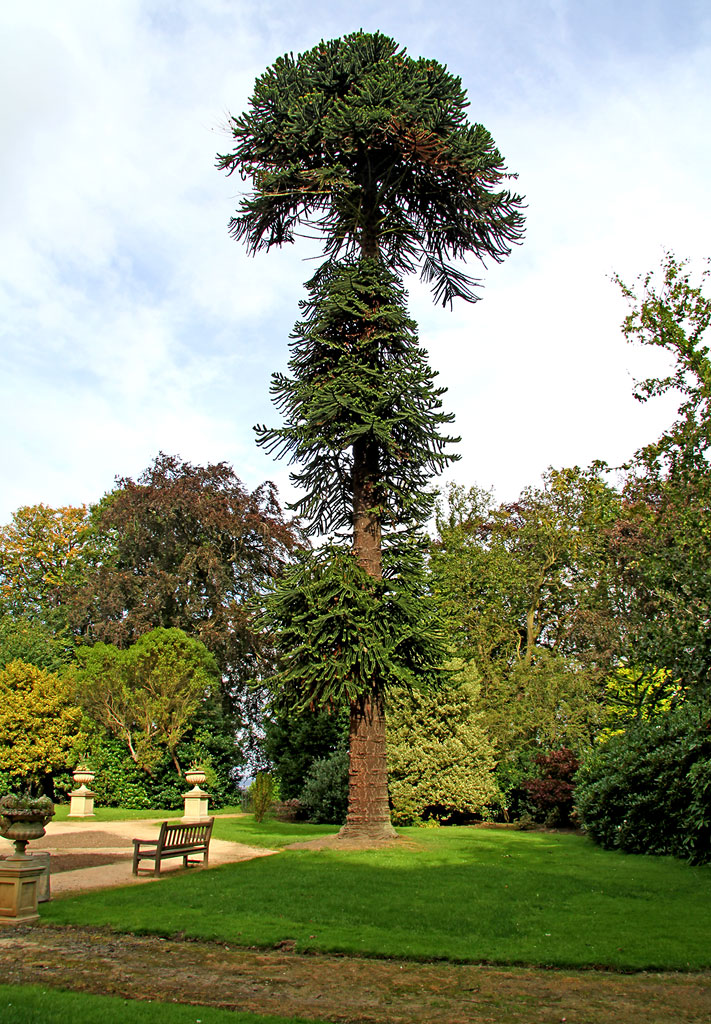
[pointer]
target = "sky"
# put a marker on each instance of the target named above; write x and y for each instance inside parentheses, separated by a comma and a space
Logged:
(132, 324)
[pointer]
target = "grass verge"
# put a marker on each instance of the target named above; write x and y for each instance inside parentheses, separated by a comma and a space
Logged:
(34, 1004)
(469, 895)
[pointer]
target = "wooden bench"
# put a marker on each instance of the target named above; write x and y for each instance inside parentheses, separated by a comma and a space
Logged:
(174, 840)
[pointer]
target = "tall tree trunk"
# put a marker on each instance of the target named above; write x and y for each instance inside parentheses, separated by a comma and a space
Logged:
(368, 810)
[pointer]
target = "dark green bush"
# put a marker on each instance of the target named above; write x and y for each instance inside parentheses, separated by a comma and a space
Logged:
(325, 793)
(293, 740)
(649, 790)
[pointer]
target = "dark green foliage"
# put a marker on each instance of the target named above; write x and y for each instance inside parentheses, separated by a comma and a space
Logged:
(359, 375)
(325, 793)
(31, 641)
(340, 633)
(294, 740)
(372, 148)
(649, 790)
(119, 782)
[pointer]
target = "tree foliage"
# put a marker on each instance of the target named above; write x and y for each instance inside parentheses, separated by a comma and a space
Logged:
(660, 542)
(372, 149)
(148, 695)
(44, 555)
(188, 548)
(34, 642)
(293, 742)
(39, 723)
(359, 377)
(339, 632)
(440, 757)
(525, 589)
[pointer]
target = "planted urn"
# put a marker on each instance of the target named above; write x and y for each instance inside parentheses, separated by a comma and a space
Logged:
(23, 818)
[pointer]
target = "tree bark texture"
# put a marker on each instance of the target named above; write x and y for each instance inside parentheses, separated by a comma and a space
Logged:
(368, 809)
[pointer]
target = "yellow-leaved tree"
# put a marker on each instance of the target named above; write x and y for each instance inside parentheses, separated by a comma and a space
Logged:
(440, 759)
(39, 722)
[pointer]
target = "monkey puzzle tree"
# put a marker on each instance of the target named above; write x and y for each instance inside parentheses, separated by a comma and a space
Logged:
(370, 150)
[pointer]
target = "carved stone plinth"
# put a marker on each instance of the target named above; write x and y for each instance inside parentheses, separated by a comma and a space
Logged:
(43, 860)
(196, 801)
(81, 803)
(19, 889)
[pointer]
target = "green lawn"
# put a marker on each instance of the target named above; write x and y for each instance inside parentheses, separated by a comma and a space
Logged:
(269, 834)
(457, 893)
(33, 1004)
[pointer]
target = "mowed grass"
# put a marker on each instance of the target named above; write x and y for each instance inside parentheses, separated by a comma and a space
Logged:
(461, 894)
(34, 1004)
(270, 834)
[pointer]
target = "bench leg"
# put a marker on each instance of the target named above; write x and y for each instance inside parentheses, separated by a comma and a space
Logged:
(156, 869)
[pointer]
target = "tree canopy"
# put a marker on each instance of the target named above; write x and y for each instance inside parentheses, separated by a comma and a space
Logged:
(149, 694)
(187, 547)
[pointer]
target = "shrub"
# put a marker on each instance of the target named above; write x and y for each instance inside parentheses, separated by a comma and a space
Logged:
(325, 793)
(649, 790)
(551, 793)
(263, 793)
(440, 757)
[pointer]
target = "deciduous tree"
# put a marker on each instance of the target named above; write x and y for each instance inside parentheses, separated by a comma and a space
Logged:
(39, 723)
(150, 694)
(187, 547)
(43, 557)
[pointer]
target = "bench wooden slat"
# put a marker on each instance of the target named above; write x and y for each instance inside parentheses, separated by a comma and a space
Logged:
(174, 840)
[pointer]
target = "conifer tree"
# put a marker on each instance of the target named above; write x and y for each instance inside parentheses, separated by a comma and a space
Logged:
(370, 150)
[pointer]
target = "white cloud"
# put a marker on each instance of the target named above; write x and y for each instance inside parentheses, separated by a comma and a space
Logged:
(133, 323)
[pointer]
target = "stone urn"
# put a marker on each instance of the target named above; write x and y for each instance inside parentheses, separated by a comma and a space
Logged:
(195, 777)
(195, 800)
(83, 776)
(81, 799)
(23, 819)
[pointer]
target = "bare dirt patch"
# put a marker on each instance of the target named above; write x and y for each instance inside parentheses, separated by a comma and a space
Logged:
(351, 990)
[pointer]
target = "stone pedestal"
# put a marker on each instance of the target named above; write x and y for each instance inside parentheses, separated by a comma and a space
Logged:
(81, 803)
(19, 889)
(43, 860)
(196, 801)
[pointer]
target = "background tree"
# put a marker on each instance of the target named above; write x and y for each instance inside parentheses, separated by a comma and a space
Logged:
(39, 723)
(32, 641)
(661, 542)
(188, 547)
(294, 741)
(149, 694)
(525, 591)
(440, 757)
(44, 555)
(647, 788)
(370, 150)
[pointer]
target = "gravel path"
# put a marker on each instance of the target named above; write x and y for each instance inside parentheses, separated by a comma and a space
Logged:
(98, 855)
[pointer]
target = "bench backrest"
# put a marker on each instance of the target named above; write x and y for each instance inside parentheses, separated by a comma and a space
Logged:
(174, 833)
